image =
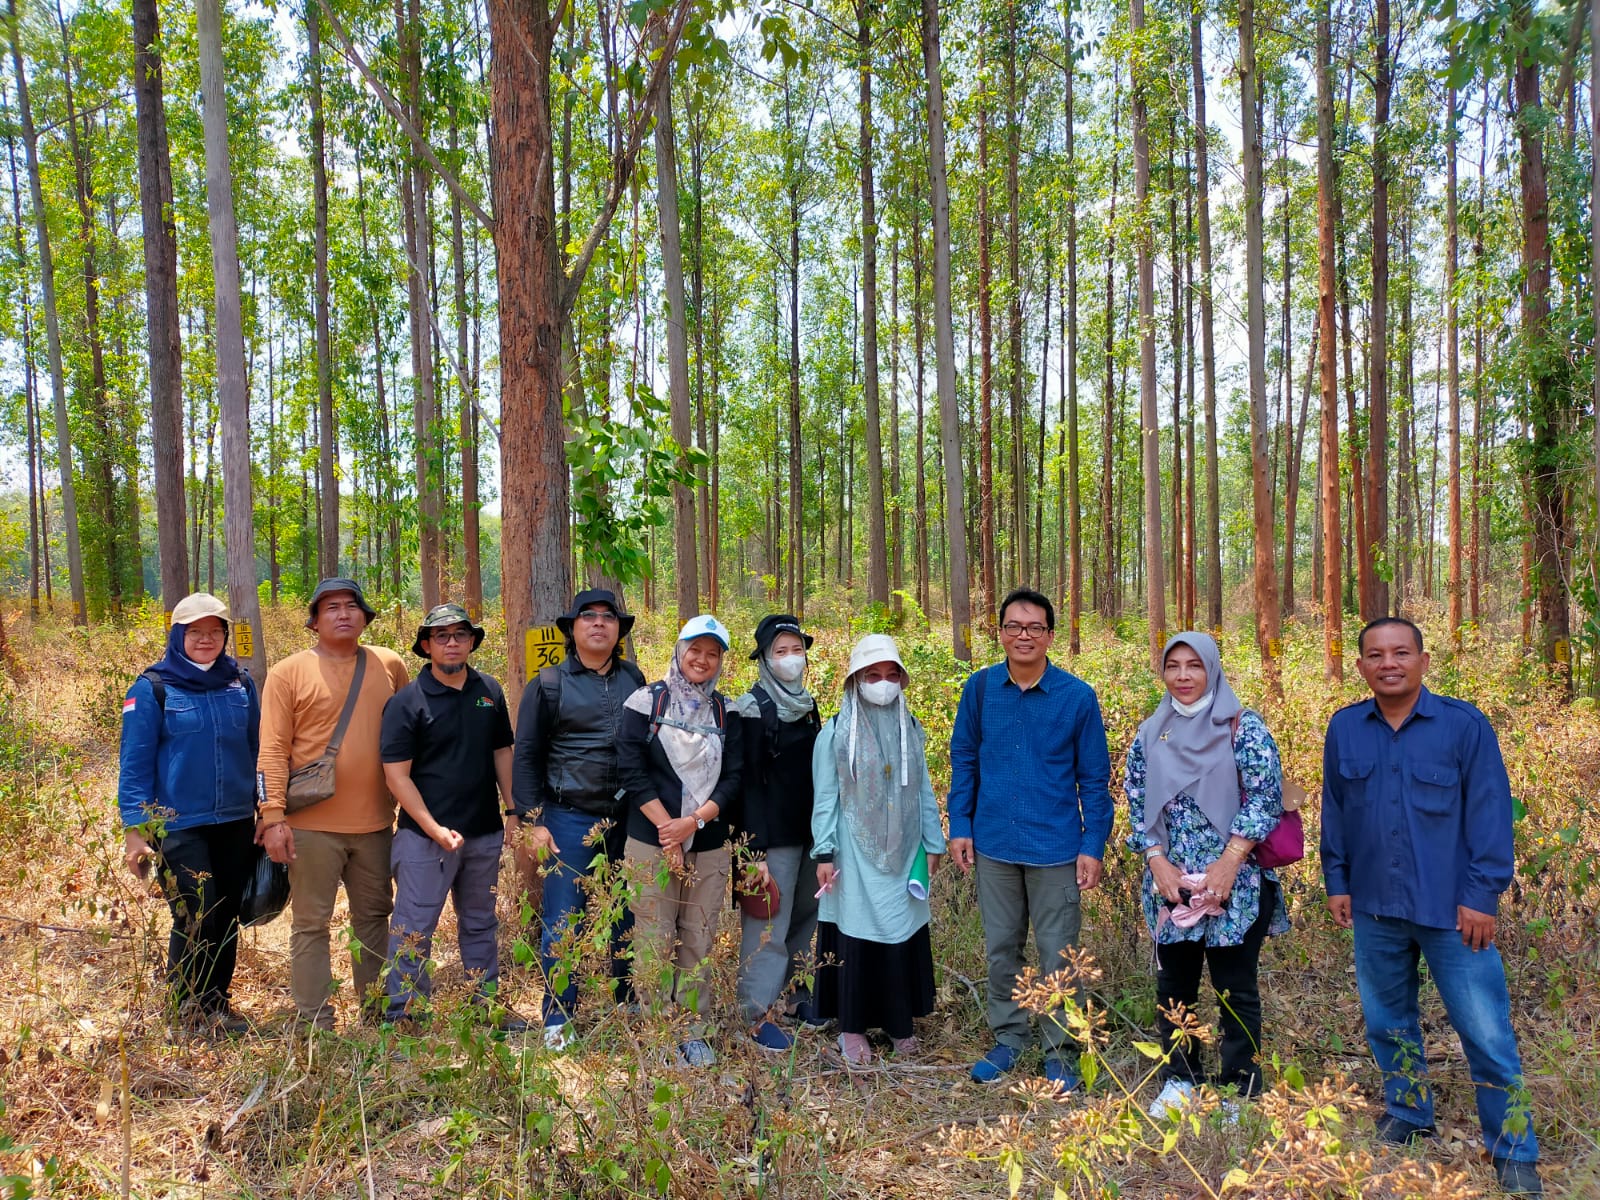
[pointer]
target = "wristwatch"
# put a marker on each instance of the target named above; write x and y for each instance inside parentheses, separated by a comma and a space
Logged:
(699, 822)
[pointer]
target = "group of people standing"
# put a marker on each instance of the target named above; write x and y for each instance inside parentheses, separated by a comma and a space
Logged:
(659, 782)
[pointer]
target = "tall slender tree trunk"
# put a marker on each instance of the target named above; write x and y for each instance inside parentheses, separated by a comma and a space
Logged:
(232, 396)
(52, 326)
(1594, 207)
(1547, 418)
(472, 561)
(1019, 474)
(1070, 485)
(686, 569)
(919, 337)
(1452, 350)
(986, 529)
(877, 534)
(1149, 414)
(1208, 353)
(1266, 579)
(328, 449)
(161, 302)
(1376, 547)
(1110, 586)
(944, 342)
(1328, 351)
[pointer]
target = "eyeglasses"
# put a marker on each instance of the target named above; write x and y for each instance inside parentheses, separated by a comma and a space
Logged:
(1017, 629)
(448, 636)
(603, 615)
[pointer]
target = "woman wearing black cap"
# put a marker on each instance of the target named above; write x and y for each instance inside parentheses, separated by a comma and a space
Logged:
(780, 725)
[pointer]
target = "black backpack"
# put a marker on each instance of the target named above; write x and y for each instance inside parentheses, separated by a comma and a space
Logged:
(550, 686)
(769, 718)
(659, 699)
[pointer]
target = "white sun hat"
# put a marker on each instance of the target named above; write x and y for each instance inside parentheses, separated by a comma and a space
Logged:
(875, 648)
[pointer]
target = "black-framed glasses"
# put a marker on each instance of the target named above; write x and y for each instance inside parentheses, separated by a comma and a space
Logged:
(1017, 629)
(447, 636)
(603, 615)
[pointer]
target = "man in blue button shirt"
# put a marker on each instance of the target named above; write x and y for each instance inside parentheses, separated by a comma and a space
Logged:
(1030, 808)
(1416, 849)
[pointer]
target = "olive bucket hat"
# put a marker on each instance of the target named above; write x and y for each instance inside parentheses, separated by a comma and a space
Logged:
(441, 617)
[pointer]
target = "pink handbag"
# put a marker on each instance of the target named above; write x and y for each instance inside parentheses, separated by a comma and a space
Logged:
(1286, 844)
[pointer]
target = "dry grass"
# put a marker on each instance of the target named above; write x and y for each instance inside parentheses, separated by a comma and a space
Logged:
(367, 1113)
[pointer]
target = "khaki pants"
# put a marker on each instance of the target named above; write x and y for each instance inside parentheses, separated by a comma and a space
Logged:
(321, 862)
(674, 926)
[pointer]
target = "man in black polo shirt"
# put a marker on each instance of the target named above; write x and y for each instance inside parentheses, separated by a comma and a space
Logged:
(446, 747)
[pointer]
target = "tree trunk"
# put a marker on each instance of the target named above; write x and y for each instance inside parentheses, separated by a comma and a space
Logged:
(796, 536)
(944, 342)
(161, 303)
(686, 569)
(1149, 415)
(1019, 474)
(1108, 586)
(327, 452)
(1376, 546)
(1208, 353)
(233, 399)
(877, 534)
(1266, 579)
(472, 562)
(919, 339)
(986, 530)
(1548, 418)
(52, 325)
(1328, 452)
(1070, 486)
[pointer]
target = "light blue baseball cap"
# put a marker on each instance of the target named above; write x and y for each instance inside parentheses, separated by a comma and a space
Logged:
(705, 625)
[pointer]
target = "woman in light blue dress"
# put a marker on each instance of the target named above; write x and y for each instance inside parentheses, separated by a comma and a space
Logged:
(874, 813)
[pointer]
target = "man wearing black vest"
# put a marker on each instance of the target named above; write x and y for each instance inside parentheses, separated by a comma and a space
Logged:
(565, 782)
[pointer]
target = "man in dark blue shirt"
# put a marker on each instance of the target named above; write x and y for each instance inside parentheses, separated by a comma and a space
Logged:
(1416, 849)
(1031, 809)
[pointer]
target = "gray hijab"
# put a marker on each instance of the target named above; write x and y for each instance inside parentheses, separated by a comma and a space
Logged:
(792, 703)
(1192, 755)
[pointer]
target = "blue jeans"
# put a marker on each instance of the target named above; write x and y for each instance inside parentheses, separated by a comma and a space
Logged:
(1472, 985)
(563, 904)
(425, 876)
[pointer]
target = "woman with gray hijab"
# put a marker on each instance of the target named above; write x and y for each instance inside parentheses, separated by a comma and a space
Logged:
(874, 822)
(780, 723)
(1204, 786)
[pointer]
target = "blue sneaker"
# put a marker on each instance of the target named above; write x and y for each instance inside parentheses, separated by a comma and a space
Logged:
(769, 1037)
(1000, 1059)
(1059, 1072)
(696, 1053)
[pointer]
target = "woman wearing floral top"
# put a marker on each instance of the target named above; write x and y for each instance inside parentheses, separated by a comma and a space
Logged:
(1204, 785)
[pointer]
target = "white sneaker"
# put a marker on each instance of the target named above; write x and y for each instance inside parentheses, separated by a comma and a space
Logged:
(558, 1037)
(1176, 1095)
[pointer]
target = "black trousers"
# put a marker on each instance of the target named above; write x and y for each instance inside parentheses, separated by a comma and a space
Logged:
(203, 872)
(1234, 977)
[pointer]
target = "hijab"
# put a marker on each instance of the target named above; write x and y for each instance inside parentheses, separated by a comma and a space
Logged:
(1192, 754)
(879, 753)
(178, 670)
(793, 701)
(688, 732)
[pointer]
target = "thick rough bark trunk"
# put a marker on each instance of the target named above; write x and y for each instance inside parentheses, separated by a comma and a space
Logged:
(161, 303)
(233, 399)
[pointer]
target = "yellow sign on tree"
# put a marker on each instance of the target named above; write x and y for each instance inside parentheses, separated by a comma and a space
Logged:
(244, 640)
(544, 646)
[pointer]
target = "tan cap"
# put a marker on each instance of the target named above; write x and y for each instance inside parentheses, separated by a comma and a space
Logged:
(201, 604)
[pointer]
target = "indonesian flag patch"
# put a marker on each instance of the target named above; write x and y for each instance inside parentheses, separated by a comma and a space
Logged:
(128, 705)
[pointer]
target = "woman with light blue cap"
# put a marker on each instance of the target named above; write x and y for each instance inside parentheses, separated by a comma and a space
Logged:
(680, 758)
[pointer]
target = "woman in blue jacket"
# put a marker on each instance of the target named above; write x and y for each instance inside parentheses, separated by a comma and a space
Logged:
(190, 731)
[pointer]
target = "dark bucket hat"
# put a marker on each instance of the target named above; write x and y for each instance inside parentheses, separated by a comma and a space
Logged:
(591, 596)
(771, 626)
(327, 587)
(441, 616)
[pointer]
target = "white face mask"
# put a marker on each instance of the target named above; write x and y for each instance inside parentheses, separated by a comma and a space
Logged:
(788, 668)
(881, 692)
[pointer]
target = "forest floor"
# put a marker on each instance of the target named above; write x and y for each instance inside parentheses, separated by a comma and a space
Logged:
(101, 1095)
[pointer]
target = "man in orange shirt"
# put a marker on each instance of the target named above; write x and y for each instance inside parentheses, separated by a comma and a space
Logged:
(346, 837)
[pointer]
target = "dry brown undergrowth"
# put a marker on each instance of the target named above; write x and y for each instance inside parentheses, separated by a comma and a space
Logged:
(456, 1112)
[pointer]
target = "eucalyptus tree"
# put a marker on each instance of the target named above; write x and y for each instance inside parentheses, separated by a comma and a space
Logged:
(243, 599)
(1149, 418)
(47, 285)
(163, 343)
(1328, 459)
